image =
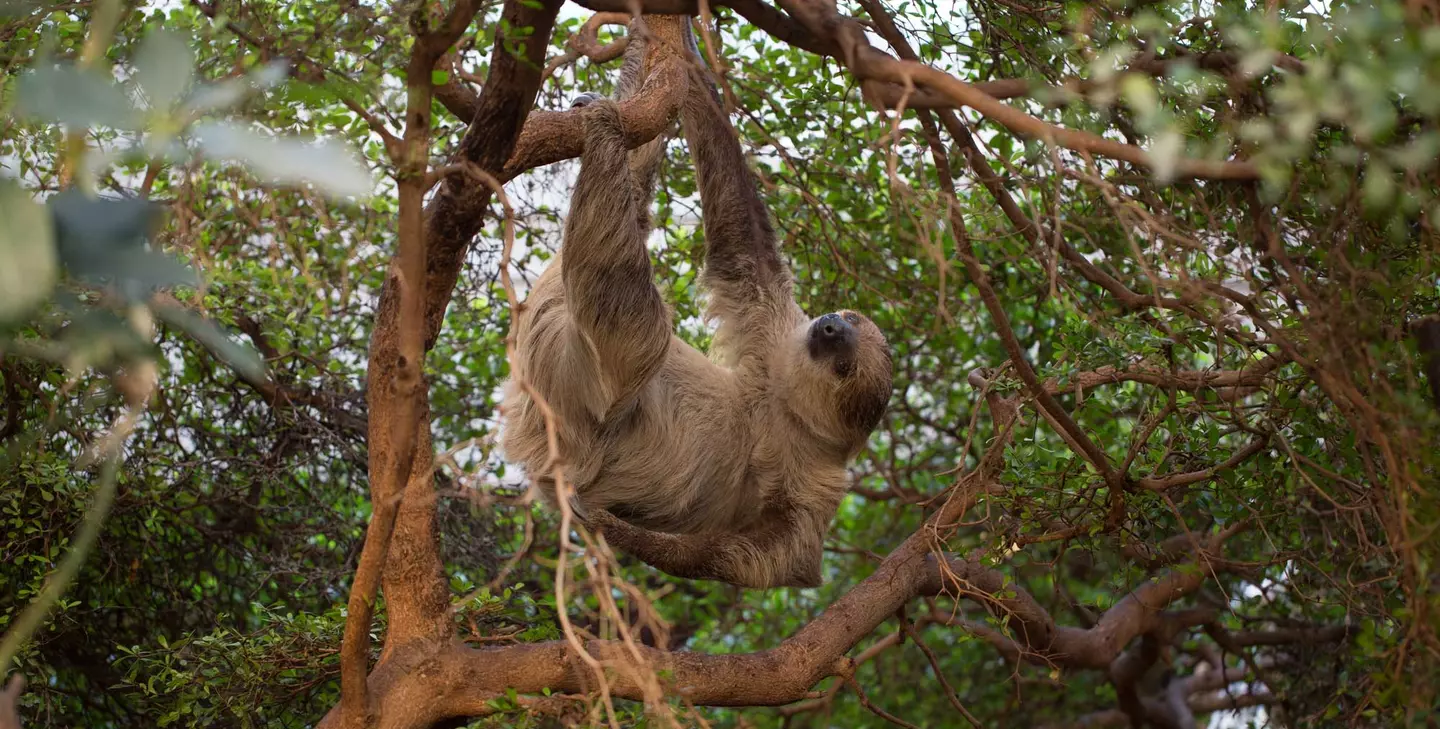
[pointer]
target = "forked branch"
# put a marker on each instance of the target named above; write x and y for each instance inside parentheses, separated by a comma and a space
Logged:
(789, 671)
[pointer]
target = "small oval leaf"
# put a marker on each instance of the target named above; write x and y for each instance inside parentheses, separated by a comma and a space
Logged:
(68, 95)
(28, 262)
(287, 160)
(164, 65)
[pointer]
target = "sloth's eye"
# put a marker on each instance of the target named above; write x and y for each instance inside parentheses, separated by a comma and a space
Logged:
(850, 317)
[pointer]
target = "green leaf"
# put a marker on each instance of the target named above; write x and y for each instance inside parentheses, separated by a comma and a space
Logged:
(97, 336)
(64, 94)
(164, 66)
(328, 165)
(439, 78)
(1165, 154)
(105, 240)
(87, 227)
(28, 262)
(227, 93)
(242, 359)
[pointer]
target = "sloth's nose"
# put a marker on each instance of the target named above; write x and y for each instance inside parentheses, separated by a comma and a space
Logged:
(831, 330)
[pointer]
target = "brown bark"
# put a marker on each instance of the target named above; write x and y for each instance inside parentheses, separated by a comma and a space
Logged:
(399, 439)
(401, 536)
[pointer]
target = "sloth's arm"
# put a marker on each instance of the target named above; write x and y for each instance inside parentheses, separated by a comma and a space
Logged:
(743, 268)
(609, 290)
(784, 552)
(644, 160)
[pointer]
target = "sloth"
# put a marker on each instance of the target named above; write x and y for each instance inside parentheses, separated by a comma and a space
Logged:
(727, 467)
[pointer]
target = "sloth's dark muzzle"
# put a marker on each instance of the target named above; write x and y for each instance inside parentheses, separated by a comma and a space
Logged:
(833, 338)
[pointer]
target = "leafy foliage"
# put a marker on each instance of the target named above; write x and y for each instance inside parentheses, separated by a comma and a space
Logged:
(213, 597)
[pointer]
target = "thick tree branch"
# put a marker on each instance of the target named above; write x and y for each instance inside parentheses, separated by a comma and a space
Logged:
(399, 398)
(417, 595)
(458, 98)
(1252, 376)
(1138, 613)
(551, 136)
(412, 303)
(786, 673)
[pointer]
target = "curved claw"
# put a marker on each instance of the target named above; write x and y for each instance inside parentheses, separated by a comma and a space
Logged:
(584, 100)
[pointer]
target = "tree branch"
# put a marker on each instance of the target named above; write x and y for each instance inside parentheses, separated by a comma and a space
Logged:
(868, 63)
(397, 392)
(1252, 376)
(551, 136)
(585, 43)
(1164, 483)
(467, 678)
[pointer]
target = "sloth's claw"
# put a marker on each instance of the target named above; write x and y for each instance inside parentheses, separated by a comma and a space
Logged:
(584, 100)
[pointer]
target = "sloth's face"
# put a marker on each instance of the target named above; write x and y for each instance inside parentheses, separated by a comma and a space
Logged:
(846, 369)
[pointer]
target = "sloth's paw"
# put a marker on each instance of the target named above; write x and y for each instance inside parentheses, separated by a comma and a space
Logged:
(601, 116)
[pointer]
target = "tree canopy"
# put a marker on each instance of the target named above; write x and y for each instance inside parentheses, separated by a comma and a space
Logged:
(1160, 281)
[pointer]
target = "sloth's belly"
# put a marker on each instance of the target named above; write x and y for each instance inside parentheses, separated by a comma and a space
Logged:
(682, 463)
